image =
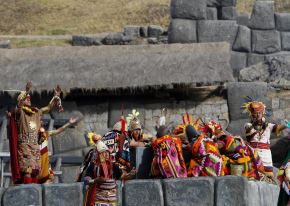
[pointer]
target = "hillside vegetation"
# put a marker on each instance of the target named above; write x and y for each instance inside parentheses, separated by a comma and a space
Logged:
(55, 17)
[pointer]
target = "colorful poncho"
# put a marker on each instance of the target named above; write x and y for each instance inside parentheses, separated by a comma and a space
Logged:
(168, 161)
(236, 152)
(113, 140)
(206, 159)
(98, 166)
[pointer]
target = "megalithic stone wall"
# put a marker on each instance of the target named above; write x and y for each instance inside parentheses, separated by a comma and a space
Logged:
(202, 191)
(252, 39)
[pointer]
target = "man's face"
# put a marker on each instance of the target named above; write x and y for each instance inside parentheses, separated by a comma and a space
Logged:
(257, 116)
(27, 101)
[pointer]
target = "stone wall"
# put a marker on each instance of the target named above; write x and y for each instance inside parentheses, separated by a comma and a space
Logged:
(202, 191)
(252, 39)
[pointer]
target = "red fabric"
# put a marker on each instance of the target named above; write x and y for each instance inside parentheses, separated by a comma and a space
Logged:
(27, 180)
(13, 138)
(260, 145)
(122, 137)
(44, 150)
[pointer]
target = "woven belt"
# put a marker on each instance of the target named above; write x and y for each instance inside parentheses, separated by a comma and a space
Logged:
(259, 145)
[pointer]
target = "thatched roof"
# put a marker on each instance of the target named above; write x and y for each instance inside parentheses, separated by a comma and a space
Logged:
(113, 67)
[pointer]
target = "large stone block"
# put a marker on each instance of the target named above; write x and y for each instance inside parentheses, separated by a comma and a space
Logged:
(70, 139)
(5, 44)
(228, 3)
(141, 158)
(213, 3)
(119, 193)
(236, 127)
(117, 39)
(211, 13)
(154, 31)
(95, 117)
(23, 195)
(143, 192)
(69, 173)
(253, 197)
(258, 72)
(216, 31)
(255, 59)
(132, 30)
(186, 191)
(269, 193)
(63, 194)
(266, 42)
(282, 21)
(229, 13)
(188, 9)
(80, 40)
(285, 41)
(182, 31)
(243, 40)
(238, 91)
(231, 190)
(238, 62)
(243, 19)
(263, 15)
(2, 190)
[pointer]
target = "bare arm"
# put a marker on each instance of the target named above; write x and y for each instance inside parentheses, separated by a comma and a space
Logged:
(61, 129)
(52, 103)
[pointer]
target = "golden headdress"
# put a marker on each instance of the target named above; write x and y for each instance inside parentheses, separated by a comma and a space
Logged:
(133, 121)
(254, 106)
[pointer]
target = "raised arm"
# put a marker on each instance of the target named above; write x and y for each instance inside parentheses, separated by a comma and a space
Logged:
(54, 101)
(278, 128)
(22, 96)
(72, 121)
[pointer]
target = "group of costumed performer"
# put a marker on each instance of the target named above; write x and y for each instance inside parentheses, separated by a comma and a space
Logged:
(212, 151)
(28, 139)
(215, 152)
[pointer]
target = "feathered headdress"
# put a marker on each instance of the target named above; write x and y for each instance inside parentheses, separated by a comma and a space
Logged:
(90, 137)
(133, 121)
(211, 127)
(252, 105)
(186, 120)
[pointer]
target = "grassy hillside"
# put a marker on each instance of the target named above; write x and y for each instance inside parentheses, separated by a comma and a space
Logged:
(46, 17)
(76, 17)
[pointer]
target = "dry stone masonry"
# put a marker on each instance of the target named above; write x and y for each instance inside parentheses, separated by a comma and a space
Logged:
(252, 39)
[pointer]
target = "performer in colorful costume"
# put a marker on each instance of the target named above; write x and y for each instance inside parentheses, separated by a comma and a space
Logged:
(46, 174)
(97, 174)
(168, 161)
(238, 157)
(206, 159)
(118, 143)
(258, 133)
(24, 141)
(284, 178)
(135, 132)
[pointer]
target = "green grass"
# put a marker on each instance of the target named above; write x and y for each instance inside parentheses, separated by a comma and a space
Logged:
(59, 17)
(52, 17)
(23, 43)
